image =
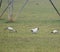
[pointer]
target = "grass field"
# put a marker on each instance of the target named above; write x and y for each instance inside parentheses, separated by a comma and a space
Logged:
(40, 15)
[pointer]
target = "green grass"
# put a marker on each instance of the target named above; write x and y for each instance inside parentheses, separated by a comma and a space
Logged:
(43, 16)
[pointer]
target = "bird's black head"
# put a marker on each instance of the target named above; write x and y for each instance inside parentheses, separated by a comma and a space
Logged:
(38, 28)
(31, 30)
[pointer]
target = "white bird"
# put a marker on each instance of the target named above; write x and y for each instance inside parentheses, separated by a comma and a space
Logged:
(54, 31)
(10, 29)
(35, 30)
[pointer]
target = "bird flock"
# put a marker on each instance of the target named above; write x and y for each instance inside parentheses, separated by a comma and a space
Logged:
(33, 30)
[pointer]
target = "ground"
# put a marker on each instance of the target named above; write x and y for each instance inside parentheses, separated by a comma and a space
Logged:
(37, 13)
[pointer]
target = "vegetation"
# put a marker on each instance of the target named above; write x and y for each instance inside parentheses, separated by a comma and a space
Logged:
(37, 13)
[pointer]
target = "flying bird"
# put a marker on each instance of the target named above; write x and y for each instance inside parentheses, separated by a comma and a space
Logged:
(34, 30)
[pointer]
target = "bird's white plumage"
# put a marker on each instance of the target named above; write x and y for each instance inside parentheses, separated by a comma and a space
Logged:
(11, 29)
(55, 31)
(35, 30)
